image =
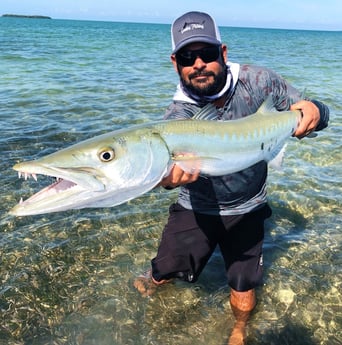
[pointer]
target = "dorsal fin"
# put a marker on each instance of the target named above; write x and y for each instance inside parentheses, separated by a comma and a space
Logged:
(208, 112)
(302, 95)
(267, 106)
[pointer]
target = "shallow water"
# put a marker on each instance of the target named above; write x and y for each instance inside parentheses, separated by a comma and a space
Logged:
(66, 278)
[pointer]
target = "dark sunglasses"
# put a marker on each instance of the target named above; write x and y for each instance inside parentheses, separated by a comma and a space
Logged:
(207, 54)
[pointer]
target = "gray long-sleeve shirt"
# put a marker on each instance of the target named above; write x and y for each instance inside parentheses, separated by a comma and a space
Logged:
(244, 191)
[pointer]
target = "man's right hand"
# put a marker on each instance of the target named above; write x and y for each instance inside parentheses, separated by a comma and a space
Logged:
(178, 176)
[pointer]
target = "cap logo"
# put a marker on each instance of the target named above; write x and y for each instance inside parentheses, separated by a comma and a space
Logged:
(192, 26)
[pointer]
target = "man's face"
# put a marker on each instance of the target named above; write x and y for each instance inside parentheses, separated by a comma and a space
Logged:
(201, 68)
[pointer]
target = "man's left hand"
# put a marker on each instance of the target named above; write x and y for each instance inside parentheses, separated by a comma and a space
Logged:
(310, 118)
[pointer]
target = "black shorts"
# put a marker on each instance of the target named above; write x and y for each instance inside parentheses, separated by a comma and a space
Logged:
(190, 238)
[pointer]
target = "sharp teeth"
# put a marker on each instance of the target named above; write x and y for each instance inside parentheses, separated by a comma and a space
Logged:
(21, 201)
(27, 175)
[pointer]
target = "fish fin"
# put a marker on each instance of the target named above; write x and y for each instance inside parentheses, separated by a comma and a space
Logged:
(276, 160)
(208, 112)
(187, 161)
(267, 106)
(190, 163)
(302, 95)
(190, 166)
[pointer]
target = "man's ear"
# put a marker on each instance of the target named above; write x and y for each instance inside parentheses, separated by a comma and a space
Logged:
(174, 62)
(224, 49)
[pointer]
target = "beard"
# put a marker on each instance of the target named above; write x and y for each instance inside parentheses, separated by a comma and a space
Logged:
(205, 89)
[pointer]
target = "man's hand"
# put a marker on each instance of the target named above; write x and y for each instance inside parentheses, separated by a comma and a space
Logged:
(179, 177)
(310, 118)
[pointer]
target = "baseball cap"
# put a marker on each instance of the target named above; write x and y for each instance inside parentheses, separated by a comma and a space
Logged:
(194, 27)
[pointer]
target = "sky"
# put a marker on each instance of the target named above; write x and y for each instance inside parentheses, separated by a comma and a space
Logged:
(285, 14)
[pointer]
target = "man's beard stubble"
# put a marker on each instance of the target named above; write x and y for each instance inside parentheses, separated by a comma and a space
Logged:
(207, 89)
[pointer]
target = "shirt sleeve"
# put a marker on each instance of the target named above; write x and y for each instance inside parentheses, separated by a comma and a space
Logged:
(324, 115)
(256, 83)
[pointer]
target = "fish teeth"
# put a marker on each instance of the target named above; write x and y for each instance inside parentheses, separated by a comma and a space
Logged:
(27, 175)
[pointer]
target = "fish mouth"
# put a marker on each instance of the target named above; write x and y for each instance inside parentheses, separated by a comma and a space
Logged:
(71, 185)
(60, 185)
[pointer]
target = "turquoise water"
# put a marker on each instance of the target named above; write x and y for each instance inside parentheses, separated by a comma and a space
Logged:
(66, 278)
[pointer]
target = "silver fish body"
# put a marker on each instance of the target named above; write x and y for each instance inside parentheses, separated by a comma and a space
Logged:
(116, 167)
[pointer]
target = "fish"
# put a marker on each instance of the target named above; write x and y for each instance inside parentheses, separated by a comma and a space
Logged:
(116, 167)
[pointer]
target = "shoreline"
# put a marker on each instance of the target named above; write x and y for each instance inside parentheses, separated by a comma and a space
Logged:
(26, 16)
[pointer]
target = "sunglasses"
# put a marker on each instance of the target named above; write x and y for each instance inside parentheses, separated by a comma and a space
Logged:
(187, 58)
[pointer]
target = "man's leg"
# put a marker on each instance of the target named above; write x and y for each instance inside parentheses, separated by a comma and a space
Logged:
(242, 304)
(185, 247)
(242, 250)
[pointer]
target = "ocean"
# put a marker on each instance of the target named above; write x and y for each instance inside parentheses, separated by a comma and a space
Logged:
(67, 278)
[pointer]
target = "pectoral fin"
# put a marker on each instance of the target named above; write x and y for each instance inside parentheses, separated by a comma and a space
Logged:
(190, 163)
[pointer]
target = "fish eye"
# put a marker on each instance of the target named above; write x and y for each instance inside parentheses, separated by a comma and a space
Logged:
(106, 155)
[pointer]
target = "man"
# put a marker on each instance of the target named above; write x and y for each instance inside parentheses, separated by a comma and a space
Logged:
(228, 211)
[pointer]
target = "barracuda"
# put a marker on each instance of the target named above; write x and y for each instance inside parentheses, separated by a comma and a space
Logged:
(116, 167)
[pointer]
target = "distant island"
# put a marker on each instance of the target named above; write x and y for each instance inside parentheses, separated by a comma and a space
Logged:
(26, 16)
